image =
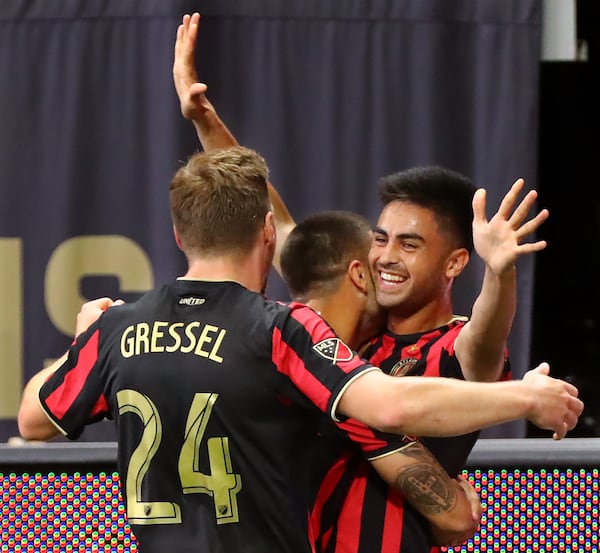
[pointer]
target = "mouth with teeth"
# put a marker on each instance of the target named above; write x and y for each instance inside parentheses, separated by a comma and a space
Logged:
(389, 279)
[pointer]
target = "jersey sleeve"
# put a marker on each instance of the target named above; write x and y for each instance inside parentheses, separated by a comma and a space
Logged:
(74, 396)
(373, 443)
(322, 367)
(319, 364)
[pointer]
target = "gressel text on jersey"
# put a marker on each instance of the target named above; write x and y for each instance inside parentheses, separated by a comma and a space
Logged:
(160, 336)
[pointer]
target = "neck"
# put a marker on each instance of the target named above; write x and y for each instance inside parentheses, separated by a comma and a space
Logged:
(428, 317)
(345, 322)
(249, 271)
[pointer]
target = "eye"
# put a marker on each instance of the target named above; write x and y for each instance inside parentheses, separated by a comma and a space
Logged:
(409, 246)
(379, 239)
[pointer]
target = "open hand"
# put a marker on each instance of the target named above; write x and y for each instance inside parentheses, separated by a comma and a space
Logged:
(191, 93)
(499, 241)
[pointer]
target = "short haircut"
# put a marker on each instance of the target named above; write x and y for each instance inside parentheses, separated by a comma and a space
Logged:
(318, 251)
(219, 200)
(447, 193)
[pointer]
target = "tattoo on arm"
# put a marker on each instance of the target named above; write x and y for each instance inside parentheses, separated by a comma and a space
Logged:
(425, 484)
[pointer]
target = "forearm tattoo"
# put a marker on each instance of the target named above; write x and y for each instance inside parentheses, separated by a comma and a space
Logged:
(425, 484)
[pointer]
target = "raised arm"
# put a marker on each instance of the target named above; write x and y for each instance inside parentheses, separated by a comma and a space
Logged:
(480, 346)
(211, 130)
(418, 406)
(451, 506)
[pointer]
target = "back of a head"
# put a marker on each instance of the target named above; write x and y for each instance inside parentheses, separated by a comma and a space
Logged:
(317, 252)
(445, 192)
(219, 200)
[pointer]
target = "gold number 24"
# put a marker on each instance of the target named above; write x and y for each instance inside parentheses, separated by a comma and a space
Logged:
(222, 484)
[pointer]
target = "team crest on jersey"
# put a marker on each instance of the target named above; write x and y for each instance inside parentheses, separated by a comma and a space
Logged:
(333, 349)
(403, 366)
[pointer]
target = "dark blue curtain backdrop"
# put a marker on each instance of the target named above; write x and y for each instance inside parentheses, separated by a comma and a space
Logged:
(333, 93)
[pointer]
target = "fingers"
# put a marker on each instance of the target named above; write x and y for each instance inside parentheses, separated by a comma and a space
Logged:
(530, 226)
(531, 247)
(516, 215)
(572, 414)
(474, 500)
(542, 368)
(561, 409)
(509, 200)
(89, 312)
(479, 200)
(187, 33)
(197, 89)
(99, 303)
(191, 32)
(561, 433)
(520, 212)
(571, 419)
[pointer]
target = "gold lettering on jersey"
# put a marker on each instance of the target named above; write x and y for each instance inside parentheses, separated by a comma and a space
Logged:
(160, 336)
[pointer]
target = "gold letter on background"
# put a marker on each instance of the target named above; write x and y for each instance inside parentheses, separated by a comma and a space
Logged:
(11, 327)
(81, 256)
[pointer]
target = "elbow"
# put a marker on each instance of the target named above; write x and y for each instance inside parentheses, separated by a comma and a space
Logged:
(454, 528)
(396, 418)
(34, 426)
(455, 536)
(27, 430)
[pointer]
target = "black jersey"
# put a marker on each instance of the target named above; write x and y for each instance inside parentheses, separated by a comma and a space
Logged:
(215, 391)
(354, 511)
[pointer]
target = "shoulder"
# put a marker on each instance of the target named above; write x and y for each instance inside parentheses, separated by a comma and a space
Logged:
(294, 313)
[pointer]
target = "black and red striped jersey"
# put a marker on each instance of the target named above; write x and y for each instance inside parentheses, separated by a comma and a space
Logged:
(354, 510)
(429, 353)
(215, 392)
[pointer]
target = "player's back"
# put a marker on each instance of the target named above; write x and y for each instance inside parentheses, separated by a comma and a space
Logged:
(208, 429)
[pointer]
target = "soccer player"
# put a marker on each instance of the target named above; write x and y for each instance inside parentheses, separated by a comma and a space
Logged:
(325, 264)
(421, 243)
(216, 390)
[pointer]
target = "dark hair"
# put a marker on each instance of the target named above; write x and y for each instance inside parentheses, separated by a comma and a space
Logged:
(318, 251)
(447, 193)
(219, 200)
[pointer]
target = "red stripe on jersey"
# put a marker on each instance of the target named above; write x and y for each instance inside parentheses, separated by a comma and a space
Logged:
(444, 343)
(101, 406)
(311, 534)
(391, 540)
(326, 488)
(363, 435)
(319, 330)
(349, 521)
(309, 319)
(61, 399)
(433, 361)
(288, 362)
(385, 349)
(325, 539)
(449, 338)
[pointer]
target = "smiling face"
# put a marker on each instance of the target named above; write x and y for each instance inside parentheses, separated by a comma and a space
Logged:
(412, 262)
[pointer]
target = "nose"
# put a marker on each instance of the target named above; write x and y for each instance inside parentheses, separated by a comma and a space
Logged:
(388, 254)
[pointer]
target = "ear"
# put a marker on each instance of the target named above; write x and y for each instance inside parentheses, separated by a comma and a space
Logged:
(269, 230)
(457, 261)
(357, 272)
(177, 239)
